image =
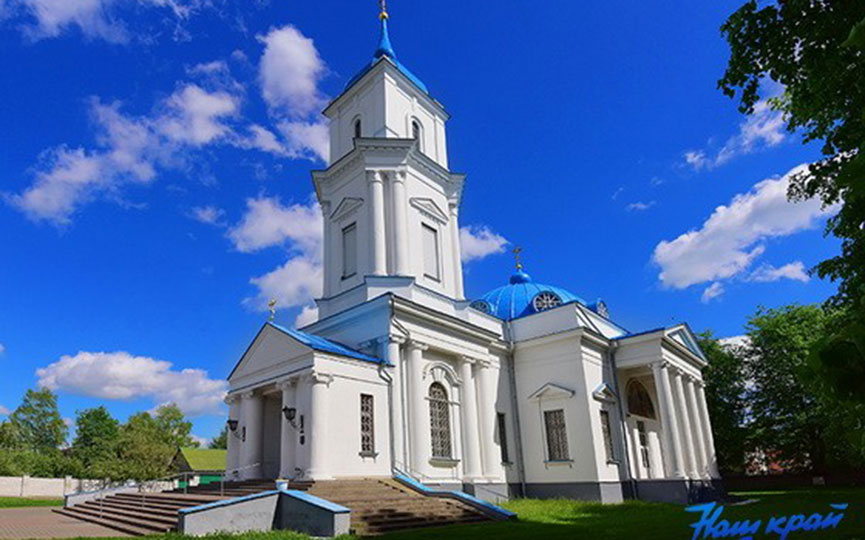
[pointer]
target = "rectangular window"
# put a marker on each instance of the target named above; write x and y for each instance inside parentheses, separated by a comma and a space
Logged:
(608, 435)
(557, 437)
(367, 437)
(503, 437)
(430, 253)
(349, 251)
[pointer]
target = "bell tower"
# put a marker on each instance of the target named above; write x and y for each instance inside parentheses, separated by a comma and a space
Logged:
(390, 203)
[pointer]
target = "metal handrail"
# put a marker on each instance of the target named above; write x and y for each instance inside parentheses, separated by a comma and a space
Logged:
(233, 471)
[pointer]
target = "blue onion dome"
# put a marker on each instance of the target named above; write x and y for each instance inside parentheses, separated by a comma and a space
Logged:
(522, 296)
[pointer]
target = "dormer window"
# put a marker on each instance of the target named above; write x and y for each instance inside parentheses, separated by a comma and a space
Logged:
(417, 134)
(481, 305)
(357, 128)
(546, 300)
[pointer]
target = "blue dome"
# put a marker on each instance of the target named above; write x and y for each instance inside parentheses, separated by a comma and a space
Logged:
(517, 299)
(385, 50)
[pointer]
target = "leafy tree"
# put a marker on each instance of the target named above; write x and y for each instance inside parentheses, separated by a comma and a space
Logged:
(173, 424)
(144, 449)
(96, 436)
(791, 415)
(220, 442)
(37, 422)
(725, 399)
(816, 50)
(9, 437)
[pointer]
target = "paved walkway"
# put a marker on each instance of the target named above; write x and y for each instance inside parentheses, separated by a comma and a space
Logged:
(41, 522)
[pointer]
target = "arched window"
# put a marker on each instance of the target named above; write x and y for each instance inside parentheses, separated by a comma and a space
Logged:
(415, 129)
(357, 128)
(639, 401)
(440, 421)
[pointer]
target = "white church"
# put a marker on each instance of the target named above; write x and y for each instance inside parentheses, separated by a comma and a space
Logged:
(528, 390)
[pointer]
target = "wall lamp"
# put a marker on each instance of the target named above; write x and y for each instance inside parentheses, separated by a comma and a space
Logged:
(290, 414)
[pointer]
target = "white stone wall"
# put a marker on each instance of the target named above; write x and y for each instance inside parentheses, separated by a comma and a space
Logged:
(27, 486)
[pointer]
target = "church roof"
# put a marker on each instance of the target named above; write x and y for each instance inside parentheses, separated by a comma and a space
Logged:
(385, 52)
(516, 299)
(319, 343)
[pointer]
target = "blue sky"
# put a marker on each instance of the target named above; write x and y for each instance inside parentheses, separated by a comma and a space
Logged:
(155, 186)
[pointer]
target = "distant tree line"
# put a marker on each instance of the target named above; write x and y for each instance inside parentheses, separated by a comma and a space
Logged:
(33, 441)
(766, 397)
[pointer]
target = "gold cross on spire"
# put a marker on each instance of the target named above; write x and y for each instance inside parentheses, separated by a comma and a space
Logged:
(517, 250)
(383, 5)
(271, 306)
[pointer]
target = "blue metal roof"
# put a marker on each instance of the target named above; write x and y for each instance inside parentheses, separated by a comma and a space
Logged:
(514, 300)
(385, 50)
(325, 345)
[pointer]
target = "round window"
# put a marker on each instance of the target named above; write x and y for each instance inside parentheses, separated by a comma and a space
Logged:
(546, 300)
(481, 305)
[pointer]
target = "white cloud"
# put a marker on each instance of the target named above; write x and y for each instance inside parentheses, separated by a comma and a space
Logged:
(477, 242)
(298, 229)
(768, 273)
(306, 139)
(268, 223)
(203, 442)
(129, 149)
(712, 291)
(4, 411)
(735, 341)
(763, 128)
(735, 235)
(2, 349)
(210, 215)
(122, 376)
(617, 193)
(95, 19)
(290, 71)
(640, 206)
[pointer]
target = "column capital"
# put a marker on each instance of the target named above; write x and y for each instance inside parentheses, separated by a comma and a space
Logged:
(231, 399)
(485, 363)
(417, 345)
(467, 359)
(454, 207)
(249, 394)
(374, 175)
(400, 175)
(660, 365)
(325, 206)
(287, 383)
(393, 338)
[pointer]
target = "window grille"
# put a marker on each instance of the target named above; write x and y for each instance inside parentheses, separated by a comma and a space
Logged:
(367, 437)
(557, 438)
(440, 421)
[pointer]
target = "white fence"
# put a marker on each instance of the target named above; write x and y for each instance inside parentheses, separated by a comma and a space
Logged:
(26, 486)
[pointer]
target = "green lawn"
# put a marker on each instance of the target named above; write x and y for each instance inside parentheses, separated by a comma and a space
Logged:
(574, 520)
(19, 502)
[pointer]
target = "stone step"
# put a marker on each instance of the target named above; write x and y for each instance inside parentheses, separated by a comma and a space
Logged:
(141, 524)
(156, 510)
(128, 529)
(132, 512)
(178, 498)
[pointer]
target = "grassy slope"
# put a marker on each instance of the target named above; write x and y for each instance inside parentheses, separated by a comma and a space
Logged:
(20, 502)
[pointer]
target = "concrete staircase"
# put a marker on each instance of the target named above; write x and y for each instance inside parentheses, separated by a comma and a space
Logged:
(381, 505)
(378, 506)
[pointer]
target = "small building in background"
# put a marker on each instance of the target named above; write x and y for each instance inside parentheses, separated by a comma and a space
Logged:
(202, 465)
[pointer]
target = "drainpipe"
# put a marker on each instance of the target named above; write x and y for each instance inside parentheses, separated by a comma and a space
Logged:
(385, 376)
(623, 421)
(512, 375)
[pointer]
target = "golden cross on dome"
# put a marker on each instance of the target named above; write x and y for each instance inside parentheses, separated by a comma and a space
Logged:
(271, 306)
(517, 250)
(383, 5)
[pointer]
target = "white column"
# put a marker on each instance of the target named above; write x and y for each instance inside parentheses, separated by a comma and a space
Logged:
(673, 447)
(454, 226)
(232, 458)
(690, 460)
(327, 247)
(378, 241)
(492, 456)
(419, 409)
(706, 424)
(638, 470)
(318, 440)
(394, 356)
(469, 408)
(288, 433)
(696, 428)
(400, 224)
(251, 429)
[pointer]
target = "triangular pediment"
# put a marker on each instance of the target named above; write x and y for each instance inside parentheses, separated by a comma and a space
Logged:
(429, 208)
(345, 208)
(271, 351)
(551, 391)
(604, 392)
(683, 335)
